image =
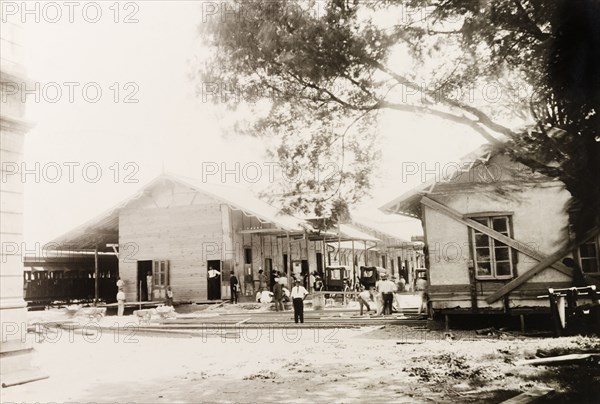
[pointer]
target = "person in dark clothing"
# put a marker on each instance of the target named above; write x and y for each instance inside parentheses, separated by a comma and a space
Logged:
(579, 280)
(298, 295)
(262, 281)
(278, 296)
(233, 286)
(169, 296)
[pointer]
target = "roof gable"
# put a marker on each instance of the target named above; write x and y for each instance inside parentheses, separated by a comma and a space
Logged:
(484, 168)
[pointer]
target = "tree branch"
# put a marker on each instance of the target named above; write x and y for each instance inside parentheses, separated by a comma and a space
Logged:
(482, 118)
(475, 125)
(534, 29)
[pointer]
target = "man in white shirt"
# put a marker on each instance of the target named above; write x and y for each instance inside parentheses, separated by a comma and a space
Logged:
(387, 289)
(298, 294)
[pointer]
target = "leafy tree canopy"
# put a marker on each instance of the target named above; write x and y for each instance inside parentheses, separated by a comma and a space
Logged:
(318, 74)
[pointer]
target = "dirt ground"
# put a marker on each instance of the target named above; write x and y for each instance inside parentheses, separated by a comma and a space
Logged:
(378, 364)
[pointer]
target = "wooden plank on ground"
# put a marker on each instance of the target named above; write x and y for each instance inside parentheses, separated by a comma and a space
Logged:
(243, 321)
(22, 377)
(558, 360)
(530, 396)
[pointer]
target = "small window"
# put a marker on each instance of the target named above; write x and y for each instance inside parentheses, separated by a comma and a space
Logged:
(159, 273)
(588, 257)
(493, 259)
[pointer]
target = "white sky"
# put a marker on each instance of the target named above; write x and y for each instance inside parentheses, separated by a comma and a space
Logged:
(169, 128)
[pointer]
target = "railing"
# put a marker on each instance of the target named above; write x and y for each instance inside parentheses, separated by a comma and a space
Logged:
(564, 306)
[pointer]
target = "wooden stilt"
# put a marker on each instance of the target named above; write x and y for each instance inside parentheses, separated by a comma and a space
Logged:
(96, 290)
(554, 312)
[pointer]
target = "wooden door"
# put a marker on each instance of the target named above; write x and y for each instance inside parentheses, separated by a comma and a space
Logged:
(160, 280)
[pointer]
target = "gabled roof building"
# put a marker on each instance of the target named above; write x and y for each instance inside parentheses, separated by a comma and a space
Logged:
(495, 234)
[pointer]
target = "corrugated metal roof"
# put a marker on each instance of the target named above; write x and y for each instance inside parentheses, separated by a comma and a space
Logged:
(104, 228)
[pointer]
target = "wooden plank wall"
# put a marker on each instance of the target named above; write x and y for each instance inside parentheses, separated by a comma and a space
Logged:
(185, 229)
(538, 219)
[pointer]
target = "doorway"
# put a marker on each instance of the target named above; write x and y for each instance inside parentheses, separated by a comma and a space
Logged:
(320, 264)
(144, 274)
(213, 278)
(305, 273)
(269, 272)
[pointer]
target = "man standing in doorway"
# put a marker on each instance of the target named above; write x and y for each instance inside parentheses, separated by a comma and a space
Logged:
(298, 294)
(213, 283)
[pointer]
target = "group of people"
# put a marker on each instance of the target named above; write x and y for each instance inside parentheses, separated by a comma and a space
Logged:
(382, 294)
(279, 294)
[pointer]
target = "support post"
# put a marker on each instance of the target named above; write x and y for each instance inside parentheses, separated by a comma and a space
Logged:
(289, 266)
(554, 312)
(324, 257)
(96, 294)
(353, 267)
(308, 285)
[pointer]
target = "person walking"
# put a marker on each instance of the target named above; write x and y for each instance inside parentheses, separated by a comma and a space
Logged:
(298, 294)
(233, 287)
(278, 296)
(363, 299)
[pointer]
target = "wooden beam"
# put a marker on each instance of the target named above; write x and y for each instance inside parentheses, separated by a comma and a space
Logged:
(517, 245)
(530, 396)
(542, 265)
(258, 231)
(558, 359)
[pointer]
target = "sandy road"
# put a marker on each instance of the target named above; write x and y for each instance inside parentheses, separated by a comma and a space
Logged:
(299, 365)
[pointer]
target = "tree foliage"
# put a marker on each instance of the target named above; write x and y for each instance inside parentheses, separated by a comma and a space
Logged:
(318, 74)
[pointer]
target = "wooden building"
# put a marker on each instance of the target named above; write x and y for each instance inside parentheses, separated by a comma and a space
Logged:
(398, 256)
(174, 229)
(495, 235)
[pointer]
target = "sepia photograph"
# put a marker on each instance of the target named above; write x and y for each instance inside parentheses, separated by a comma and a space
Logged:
(300, 201)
